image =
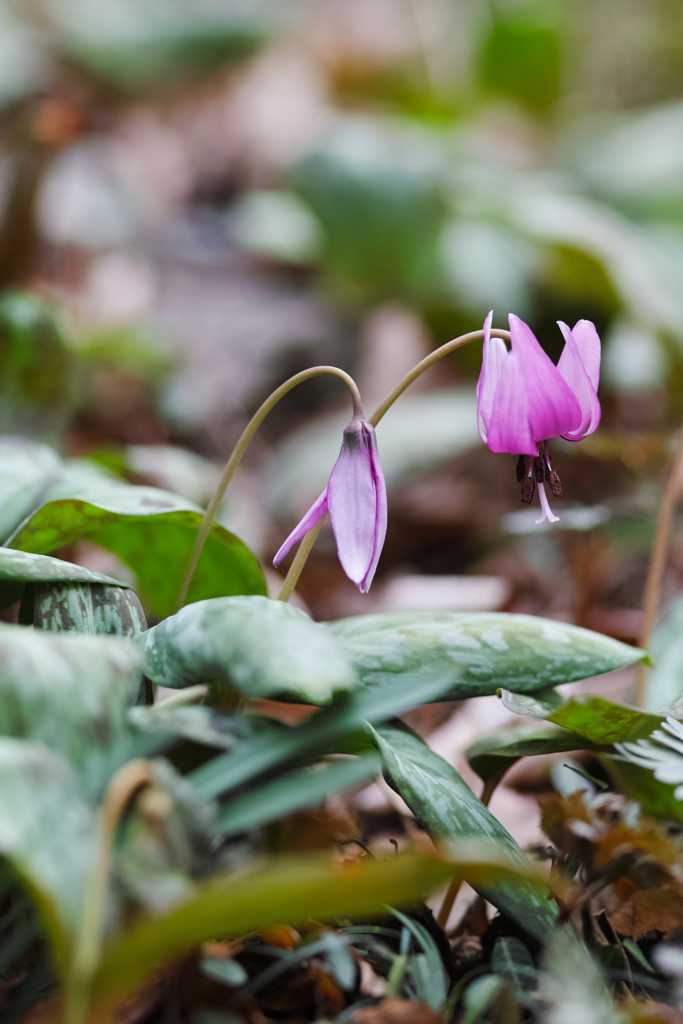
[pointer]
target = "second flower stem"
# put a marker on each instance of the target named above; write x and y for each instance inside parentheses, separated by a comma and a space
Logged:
(239, 450)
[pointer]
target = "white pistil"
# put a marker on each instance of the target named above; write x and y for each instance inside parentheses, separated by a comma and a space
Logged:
(546, 511)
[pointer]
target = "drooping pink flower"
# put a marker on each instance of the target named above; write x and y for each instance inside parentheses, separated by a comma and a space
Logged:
(356, 498)
(524, 400)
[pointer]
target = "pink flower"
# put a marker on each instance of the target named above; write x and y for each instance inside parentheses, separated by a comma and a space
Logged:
(356, 498)
(523, 399)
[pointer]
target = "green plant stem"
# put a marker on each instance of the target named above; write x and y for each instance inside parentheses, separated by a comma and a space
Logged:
(425, 363)
(433, 357)
(127, 781)
(292, 577)
(660, 548)
(239, 450)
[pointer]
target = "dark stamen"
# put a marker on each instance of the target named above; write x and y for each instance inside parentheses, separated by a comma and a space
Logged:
(528, 490)
(539, 470)
(555, 485)
(521, 468)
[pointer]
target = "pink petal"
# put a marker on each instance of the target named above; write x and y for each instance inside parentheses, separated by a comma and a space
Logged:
(493, 356)
(352, 500)
(572, 369)
(552, 407)
(380, 509)
(588, 344)
(509, 429)
(314, 515)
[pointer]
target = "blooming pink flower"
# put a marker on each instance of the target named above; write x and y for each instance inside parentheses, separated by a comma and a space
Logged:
(356, 498)
(523, 399)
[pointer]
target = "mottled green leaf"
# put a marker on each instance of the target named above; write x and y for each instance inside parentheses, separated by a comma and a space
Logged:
(302, 888)
(540, 704)
(448, 810)
(511, 961)
(46, 833)
(262, 648)
(88, 608)
(479, 996)
(478, 652)
(656, 799)
(69, 692)
(492, 755)
(17, 568)
(296, 791)
(207, 726)
(152, 531)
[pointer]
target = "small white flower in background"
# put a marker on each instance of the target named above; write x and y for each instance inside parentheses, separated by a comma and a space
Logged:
(662, 753)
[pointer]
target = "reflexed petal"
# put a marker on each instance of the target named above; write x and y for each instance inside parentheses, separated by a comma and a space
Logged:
(493, 355)
(588, 343)
(552, 407)
(572, 369)
(352, 501)
(314, 514)
(380, 509)
(509, 429)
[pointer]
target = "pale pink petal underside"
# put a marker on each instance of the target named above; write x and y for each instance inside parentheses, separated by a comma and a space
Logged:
(380, 509)
(588, 343)
(314, 515)
(493, 356)
(352, 501)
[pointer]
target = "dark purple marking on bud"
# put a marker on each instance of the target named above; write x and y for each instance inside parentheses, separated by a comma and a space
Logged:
(555, 485)
(528, 490)
(521, 468)
(538, 470)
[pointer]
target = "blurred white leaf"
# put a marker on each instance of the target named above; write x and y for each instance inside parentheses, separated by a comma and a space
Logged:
(487, 265)
(567, 960)
(633, 359)
(278, 225)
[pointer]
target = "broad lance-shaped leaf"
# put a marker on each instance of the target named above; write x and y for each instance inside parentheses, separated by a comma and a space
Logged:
(152, 531)
(69, 692)
(448, 810)
(295, 889)
(92, 608)
(297, 791)
(46, 834)
(478, 652)
(19, 568)
(338, 728)
(492, 755)
(262, 648)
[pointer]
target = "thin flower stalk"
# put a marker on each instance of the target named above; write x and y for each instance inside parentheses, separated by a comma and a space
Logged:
(658, 558)
(238, 453)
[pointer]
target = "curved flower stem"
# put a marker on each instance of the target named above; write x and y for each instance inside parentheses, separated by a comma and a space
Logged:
(660, 548)
(292, 577)
(450, 346)
(239, 450)
(126, 782)
(425, 363)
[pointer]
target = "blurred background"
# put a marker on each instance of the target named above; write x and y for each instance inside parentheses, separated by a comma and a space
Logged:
(198, 199)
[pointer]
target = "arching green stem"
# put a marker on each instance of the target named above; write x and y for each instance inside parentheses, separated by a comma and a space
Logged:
(450, 346)
(425, 363)
(239, 450)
